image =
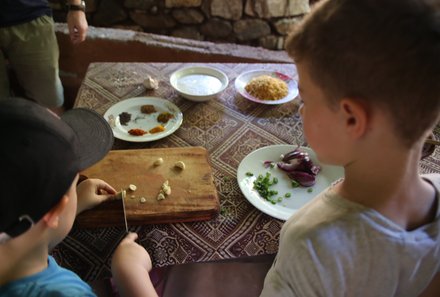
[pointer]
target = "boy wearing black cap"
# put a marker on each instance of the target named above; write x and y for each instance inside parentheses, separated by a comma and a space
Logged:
(369, 73)
(40, 158)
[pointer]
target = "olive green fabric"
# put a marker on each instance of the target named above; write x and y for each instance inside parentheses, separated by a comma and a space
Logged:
(30, 51)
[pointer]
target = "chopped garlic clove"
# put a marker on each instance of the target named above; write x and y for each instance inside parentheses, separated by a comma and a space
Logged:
(151, 83)
(160, 196)
(180, 165)
(132, 187)
(143, 200)
(158, 162)
(120, 195)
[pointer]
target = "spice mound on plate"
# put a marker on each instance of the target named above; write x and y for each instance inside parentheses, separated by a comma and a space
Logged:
(265, 87)
(124, 118)
(164, 117)
(148, 108)
(137, 132)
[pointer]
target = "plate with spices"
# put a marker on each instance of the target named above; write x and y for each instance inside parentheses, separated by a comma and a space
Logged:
(266, 87)
(280, 179)
(143, 119)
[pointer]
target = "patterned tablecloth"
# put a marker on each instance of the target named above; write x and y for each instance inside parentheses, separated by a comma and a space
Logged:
(229, 127)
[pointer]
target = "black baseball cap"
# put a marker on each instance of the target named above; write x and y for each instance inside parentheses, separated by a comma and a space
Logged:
(40, 155)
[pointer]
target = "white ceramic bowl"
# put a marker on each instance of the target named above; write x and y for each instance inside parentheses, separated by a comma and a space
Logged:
(199, 83)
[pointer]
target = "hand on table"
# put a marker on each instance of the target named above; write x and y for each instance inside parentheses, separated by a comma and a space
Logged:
(130, 266)
(77, 24)
(92, 192)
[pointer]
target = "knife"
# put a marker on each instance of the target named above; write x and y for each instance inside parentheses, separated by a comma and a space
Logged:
(123, 195)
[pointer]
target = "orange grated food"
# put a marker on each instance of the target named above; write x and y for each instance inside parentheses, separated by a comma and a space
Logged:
(265, 87)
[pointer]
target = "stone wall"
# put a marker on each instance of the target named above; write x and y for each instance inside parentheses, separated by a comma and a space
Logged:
(261, 23)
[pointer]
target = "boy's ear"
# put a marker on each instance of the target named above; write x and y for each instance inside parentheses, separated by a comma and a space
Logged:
(52, 217)
(355, 115)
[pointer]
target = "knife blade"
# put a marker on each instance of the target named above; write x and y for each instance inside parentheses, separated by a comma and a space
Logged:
(123, 195)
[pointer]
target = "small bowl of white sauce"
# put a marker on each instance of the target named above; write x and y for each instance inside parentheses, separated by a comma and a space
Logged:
(199, 83)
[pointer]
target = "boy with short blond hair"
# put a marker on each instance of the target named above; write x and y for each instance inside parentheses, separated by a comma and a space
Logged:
(369, 74)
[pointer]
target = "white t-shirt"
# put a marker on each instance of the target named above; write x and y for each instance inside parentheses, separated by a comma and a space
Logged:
(334, 247)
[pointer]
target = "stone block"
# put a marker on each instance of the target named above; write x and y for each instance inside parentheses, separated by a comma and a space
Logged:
(228, 9)
(285, 26)
(188, 33)
(149, 21)
(139, 4)
(216, 28)
(267, 9)
(182, 3)
(251, 29)
(188, 15)
(109, 12)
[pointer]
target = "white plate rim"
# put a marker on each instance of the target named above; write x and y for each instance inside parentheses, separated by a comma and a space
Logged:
(245, 77)
(159, 103)
(254, 162)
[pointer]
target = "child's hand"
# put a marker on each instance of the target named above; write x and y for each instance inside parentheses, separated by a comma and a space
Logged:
(130, 266)
(92, 192)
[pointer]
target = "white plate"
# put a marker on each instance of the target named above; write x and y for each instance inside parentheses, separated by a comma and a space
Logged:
(299, 196)
(243, 79)
(144, 121)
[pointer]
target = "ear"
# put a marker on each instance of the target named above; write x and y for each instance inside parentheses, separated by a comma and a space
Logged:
(355, 116)
(52, 217)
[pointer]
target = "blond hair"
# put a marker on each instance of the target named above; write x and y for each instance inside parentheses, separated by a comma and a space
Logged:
(383, 52)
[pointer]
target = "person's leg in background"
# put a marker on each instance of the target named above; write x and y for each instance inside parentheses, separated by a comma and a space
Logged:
(33, 56)
(4, 81)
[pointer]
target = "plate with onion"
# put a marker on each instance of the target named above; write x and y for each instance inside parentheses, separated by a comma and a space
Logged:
(280, 179)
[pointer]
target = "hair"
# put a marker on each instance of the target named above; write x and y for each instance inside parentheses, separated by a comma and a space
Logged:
(382, 52)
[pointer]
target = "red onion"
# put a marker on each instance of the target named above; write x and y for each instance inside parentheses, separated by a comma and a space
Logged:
(299, 167)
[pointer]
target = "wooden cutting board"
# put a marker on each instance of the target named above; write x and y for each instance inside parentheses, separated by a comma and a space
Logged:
(193, 194)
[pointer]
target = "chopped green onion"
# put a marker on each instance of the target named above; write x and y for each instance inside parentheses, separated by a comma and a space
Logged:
(287, 195)
(262, 185)
(295, 184)
(249, 174)
(310, 190)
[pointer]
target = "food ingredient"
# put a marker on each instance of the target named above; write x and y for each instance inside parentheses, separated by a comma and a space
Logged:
(299, 167)
(262, 185)
(120, 195)
(132, 187)
(164, 117)
(143, 200)
(158, 162)
(148, 108)
(165, 190)
(157, 129)
(111, 121)
(137, 132)
(124, 118)
(151, 83)
(180, 164)
(265, 87)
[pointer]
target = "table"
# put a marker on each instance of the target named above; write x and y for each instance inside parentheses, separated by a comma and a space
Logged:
(229, 127)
